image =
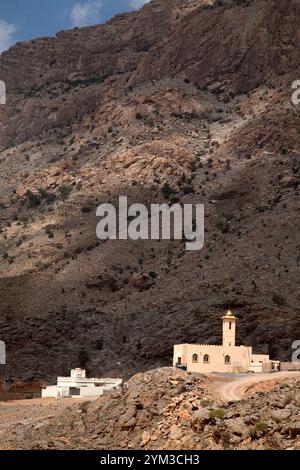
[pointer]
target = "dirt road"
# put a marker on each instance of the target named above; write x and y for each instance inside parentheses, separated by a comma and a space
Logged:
(235, 388)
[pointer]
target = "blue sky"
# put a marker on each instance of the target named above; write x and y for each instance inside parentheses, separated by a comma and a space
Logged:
(21, 20)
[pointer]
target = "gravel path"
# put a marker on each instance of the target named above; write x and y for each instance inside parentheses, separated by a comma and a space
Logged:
(235, 389)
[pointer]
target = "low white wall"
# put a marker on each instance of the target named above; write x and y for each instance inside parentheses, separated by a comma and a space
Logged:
(55, 392)
(256, 367)
(91, 392)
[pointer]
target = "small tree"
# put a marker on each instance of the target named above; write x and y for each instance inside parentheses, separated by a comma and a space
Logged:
(167, 191)
(83, 357)
(33, 199)
(279, 299)
(65, 191)
(99, 344)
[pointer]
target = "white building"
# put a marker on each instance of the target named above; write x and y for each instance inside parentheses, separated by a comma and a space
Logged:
(78, 385)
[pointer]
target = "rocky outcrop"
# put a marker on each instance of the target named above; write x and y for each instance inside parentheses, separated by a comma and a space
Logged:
(62, 79)
(169, 409)
(228, 46)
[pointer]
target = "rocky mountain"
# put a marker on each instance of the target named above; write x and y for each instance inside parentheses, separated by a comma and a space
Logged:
(186, 101)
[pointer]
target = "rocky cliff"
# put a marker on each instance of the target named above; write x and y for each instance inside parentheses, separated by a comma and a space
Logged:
(184, 101)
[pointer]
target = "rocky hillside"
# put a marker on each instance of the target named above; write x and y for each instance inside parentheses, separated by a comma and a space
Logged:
(165, 409)
(186, 101)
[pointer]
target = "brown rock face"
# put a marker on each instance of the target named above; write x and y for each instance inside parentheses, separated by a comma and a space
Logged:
(228, 46)
(184, 101)
(59, 79)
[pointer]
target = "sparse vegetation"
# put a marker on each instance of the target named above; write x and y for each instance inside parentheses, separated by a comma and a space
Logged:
(99, 344)
(65, 191)
(83, 357)
(167, 191)
(217, 413)
(35, 199)
(258, 429)
(279, 299)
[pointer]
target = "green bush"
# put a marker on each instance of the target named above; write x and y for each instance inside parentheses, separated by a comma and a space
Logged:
(217, 413)
(34, 199)
(167, 191)
(49, 197)
(99, 344)
(83, 357)
(279, 300)
(65, 191)
(259, 428)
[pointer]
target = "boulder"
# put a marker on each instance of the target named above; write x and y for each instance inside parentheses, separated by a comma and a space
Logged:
(280, 415)
(199, 419)
(294, 429)
(237, 427)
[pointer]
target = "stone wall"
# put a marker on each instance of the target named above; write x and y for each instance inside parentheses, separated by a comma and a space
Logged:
(290, 366)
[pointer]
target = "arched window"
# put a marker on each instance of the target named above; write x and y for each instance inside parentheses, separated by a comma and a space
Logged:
(206, 358)
(195, 358)
(227, 360)
(230, 324)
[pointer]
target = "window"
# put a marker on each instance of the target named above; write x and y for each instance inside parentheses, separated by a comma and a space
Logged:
(206, 358)
(227, 360)
(230, 324)
(195, 358)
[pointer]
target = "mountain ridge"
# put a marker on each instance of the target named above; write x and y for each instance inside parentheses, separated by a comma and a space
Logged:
(85, 124)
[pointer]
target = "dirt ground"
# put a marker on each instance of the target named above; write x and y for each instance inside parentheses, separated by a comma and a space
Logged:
(20, 412)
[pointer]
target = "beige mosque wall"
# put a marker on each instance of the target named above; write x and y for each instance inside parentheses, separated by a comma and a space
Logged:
(210, 358)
